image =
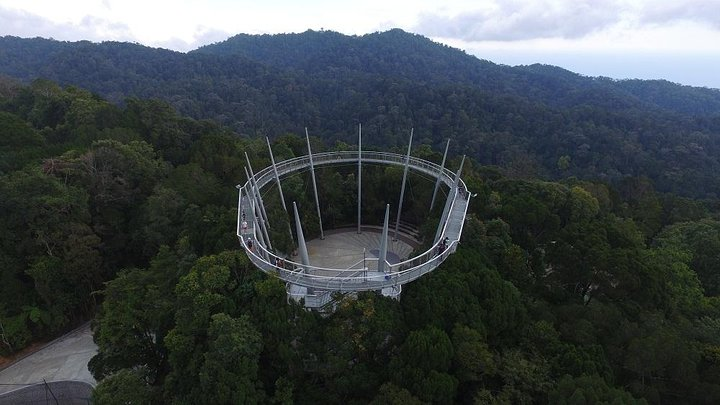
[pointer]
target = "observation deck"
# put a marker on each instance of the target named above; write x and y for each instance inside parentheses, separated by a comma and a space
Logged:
(316, 284)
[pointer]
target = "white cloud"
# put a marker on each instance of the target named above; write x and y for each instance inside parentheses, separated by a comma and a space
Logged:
(24, 24)
(182, 24)
(640, 25)
(202, 36)
(574, 28)
(101, 29)
(522, 19)
(699, 11)
(97, 29)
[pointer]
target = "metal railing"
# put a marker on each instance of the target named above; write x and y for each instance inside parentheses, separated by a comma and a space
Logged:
(354, 279)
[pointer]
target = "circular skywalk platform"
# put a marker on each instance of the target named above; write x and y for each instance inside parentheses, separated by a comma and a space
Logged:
(335, 264)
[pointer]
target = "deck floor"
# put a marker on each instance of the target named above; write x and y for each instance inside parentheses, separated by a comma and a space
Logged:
(344, 249)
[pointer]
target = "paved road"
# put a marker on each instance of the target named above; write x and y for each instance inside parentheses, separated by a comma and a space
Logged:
(63, 359)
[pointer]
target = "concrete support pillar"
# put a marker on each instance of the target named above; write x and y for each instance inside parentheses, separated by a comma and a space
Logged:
(437, 182)
(314, 183)
(402, 188)
(277, 177)
(302, 247)
(382, 256)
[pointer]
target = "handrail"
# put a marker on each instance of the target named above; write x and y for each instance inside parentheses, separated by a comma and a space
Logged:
(330, 282)
(266, 175)
(330, 269)
(419, 265)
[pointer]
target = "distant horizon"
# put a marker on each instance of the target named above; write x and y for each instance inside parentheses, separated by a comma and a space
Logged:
(590, 65)
(674, 40)
(697, 70)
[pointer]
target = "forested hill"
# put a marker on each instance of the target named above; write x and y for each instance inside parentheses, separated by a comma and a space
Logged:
(530, 120)
(560, 293)
(399, 54)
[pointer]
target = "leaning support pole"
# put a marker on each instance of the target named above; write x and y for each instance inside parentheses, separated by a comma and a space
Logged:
(252, 224)
(402, 188)
(442, 168)
(277, 177)
(239, 218)
(253, 183)
(443, 217)
(256, 206)
(382, 257)
(359, 180)
(302, 247)
(258, 201)
(457, 175)
(260, 239)
(262, 204)
(312, 174)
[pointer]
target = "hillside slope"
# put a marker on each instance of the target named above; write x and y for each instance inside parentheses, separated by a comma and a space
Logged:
(523, 119)
(396, 53)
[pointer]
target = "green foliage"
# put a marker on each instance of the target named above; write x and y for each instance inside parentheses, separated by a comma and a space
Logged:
(19, 143)
(525, 377)
(582, 205)
(392, 394)
(474, 295)
(563, 162)
(228, 374)
(206, 341)
(685, 292)
(124, 387)
(472, 356)
(161, 219)
(589, 389)
(207, 228)
(49, 249)
(581, 291)
(529, 120)
(15, 330)
(701, 241)
(195, 185)
(428, 349)
(130, 332)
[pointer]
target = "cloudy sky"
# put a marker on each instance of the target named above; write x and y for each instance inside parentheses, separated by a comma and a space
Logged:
(678, 40)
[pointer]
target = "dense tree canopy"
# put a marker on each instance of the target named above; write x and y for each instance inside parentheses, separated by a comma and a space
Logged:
(576, 291)
(532, 121)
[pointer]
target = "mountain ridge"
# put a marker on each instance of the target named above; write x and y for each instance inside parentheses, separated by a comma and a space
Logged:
(523, 119)
(280, 51)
